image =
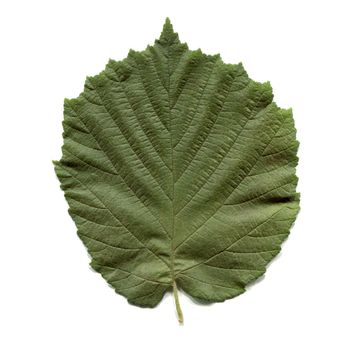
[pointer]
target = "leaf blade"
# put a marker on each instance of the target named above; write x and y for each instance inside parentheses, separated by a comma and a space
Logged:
(178, 170)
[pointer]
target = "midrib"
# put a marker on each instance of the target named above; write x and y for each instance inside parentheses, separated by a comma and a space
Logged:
(172, 249)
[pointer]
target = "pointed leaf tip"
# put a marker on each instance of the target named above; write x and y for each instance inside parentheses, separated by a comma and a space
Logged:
(168, 26)
(168, 36)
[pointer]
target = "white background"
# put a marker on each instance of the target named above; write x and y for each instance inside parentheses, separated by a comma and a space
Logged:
(49, 298)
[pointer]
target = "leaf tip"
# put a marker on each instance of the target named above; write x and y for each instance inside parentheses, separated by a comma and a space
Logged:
(167, 25)
(168, 36)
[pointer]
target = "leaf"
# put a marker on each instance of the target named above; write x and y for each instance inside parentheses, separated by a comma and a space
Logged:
(179, 171)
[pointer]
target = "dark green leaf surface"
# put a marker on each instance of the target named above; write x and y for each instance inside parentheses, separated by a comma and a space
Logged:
(179, 171)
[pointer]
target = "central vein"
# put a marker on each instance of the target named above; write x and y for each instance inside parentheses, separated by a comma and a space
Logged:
(172, 256)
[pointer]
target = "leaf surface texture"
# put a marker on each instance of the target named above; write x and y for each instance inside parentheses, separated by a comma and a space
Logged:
(179, 170)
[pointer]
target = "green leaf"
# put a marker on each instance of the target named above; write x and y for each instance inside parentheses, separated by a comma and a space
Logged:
(179, 171)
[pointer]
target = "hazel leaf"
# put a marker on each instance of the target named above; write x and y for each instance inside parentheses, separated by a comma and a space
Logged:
(179, 172)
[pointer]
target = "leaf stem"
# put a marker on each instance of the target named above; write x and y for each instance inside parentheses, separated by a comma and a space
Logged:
(180, 316)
